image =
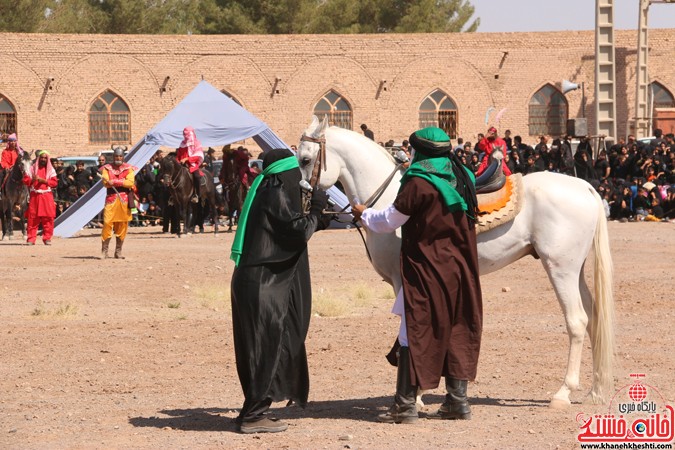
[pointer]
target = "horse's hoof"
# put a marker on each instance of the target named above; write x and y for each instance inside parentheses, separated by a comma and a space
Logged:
(560, 404)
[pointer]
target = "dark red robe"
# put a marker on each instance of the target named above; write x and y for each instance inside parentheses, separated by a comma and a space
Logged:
(441, 288)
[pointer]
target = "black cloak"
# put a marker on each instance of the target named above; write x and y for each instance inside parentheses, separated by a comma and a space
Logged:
(271, 294)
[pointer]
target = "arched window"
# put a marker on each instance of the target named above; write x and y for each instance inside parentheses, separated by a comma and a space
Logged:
(336, 108)
(548, 112)
(438, 110)
(109, 120)
(231, 97)
(7, 116)
(661, 97)
(663, 103)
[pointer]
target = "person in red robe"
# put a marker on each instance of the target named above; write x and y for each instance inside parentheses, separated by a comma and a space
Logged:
(246, 175)
(191, 154)
(41, 207)
(9, 156)
(487, 145)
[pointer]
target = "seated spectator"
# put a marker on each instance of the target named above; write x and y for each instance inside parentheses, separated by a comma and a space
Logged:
(620, 205)
(641, 203)
(154, 214)
(514, 163)
(531, 166)
(474, 162)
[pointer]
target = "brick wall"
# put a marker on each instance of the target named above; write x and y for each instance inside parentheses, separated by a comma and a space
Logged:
(477, 70)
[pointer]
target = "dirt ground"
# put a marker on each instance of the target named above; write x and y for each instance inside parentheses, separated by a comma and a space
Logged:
(138, 354)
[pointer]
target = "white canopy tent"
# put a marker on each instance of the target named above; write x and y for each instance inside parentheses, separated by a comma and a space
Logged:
(217, 121)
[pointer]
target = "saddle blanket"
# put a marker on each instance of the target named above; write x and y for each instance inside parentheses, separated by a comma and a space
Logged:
(502, 206)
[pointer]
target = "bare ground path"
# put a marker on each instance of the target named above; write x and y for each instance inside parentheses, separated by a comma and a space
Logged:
(138, 353)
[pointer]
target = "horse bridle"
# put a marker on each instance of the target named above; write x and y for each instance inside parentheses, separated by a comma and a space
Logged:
(174, 176)
(320, 162)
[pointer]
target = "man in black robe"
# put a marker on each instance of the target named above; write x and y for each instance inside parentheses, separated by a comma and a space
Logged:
(271, 292)
(441, 318)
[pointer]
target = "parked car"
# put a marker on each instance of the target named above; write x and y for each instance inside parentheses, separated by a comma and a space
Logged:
(89, 161)
(218, 164)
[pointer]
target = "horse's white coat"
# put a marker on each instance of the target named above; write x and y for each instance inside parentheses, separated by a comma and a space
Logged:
(562, 218)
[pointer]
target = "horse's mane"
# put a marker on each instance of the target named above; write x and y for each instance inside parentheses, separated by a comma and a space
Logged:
(367, 142)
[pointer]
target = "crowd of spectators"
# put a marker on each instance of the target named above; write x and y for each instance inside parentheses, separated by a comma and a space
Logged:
(636, 179)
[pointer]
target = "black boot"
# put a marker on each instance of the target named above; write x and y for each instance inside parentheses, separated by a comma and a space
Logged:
(456, 405)
(404, 409)
(196, 182)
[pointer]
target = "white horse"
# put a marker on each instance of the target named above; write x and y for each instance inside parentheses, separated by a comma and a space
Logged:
(561, 219)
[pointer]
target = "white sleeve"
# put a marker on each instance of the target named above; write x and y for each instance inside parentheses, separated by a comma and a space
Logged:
(383, 221)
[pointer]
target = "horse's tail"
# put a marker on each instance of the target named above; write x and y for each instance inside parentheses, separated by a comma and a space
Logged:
(603, 311)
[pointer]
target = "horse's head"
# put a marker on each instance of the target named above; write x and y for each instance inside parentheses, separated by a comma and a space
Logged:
(167, 168)
(24, 162)
(497, 153)
(314, 139)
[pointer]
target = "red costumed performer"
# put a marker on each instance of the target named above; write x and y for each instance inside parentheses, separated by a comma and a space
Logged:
(191, 153)
(487, 145)
(9, 156)
(41, 208)
(245, 173)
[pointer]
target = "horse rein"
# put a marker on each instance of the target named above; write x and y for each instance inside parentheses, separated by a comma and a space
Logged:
(383, 187)
(320, 162)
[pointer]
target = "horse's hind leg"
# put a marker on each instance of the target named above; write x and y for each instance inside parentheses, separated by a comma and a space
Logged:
(566, 286)
(587, 300)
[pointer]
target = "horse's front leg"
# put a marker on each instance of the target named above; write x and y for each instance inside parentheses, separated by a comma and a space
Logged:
(214, 215)
(189, 217)
(3, 219)
(181, 218)
(10, 223)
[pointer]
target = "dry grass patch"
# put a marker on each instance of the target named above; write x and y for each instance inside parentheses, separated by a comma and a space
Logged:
(325, 304)
(362, 295)
(64, 310)
(215, 298)
(387, 293)
(333, 302)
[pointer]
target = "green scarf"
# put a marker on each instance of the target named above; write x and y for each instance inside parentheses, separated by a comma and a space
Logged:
(437, 170)
(282, 165)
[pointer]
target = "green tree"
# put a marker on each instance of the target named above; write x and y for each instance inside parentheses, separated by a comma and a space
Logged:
(236, 16)
(385, 16)
(436, 16)
(22, 16)
(74, 16)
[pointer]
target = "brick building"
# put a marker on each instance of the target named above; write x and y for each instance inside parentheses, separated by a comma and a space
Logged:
(76, 94)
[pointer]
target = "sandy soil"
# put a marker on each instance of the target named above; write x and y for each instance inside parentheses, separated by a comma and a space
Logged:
(138, 353)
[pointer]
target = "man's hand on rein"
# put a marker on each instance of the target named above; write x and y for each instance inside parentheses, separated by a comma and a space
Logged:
(357, 210)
